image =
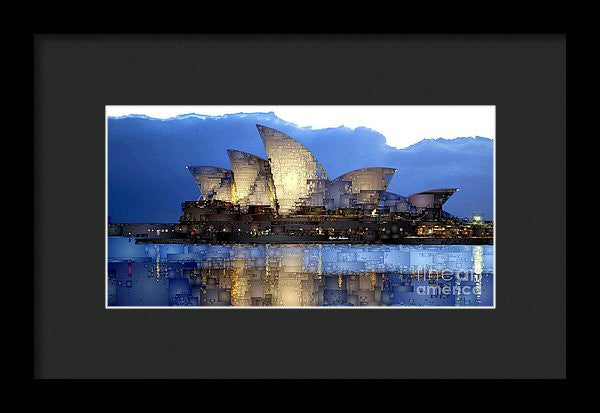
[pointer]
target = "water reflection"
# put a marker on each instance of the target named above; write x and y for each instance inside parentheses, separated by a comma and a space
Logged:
(298, 275)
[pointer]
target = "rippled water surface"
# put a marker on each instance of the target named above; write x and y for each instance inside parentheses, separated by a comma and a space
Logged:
(343, 276)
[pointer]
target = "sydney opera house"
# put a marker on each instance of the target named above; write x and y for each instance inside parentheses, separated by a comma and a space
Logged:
(290, 198)
(292, 178)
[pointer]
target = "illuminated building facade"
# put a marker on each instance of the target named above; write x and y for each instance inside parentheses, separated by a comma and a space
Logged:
(292, 166)
(253, 179)
(367, 183)
(292, 177)
(214, 183)
(432, 198)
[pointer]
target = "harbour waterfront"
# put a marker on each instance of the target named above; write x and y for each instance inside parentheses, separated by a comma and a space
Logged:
(298, 275)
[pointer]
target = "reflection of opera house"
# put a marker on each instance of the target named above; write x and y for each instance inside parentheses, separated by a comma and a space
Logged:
(293, 178)
(299, 275)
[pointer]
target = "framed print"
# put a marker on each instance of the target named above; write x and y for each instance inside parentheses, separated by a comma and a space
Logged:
(208, 207)
(300, 206)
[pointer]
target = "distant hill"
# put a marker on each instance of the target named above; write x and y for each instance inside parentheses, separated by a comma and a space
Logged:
(147, 178)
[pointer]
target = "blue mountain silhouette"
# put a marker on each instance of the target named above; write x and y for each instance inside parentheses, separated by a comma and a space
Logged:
(148, 181)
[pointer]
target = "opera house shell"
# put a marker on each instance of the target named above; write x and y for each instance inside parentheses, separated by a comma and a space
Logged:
(292, 166)
(214, 183)
(253, 179)
(293, 177)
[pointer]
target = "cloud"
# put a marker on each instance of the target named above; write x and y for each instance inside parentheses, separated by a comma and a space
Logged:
(402, 125)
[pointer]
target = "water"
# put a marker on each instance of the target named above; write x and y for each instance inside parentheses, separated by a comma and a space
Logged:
(343, 276)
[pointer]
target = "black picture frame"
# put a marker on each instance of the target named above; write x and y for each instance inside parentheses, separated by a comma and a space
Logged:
(75, 76)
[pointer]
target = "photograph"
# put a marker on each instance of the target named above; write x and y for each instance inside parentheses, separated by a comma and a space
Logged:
(332, 207)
